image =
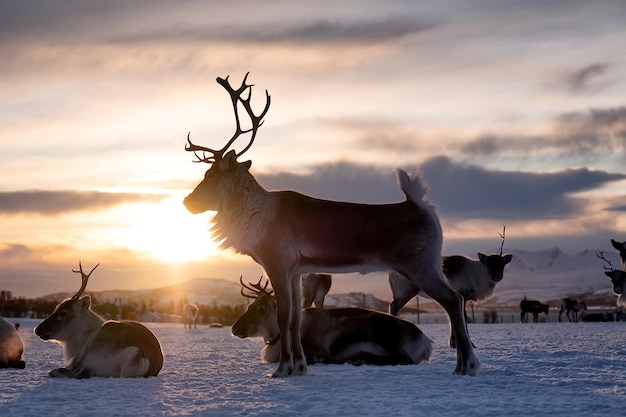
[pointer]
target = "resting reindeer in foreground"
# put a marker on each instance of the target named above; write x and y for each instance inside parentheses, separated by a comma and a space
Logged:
(290, 234)
(11, 346)
(572, 306)
(190, 315)
(617, 277)
(534, 307)
(314, 289)
(342, 335)
(93, 347)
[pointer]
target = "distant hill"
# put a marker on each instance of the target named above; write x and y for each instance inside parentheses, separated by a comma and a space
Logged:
(547, 275)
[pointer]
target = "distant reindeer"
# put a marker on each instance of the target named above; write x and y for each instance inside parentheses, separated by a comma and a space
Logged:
(474, 280)
(621, 248)
(572, 306)
(314, 289)
(617, 277)
(598, 317)
(290, 234)
(11, 346)
(341, 335)
(94, 347)
(534, 307)
(190, 315)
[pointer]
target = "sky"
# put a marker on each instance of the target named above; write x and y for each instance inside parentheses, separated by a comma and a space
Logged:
(515, 113)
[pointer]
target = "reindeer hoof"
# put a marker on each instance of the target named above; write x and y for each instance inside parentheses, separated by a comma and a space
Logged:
(283, 371)
(60, 373)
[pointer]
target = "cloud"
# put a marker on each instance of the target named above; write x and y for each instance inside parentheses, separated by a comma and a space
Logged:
(585, 77)
(58, 202)
(597, 131)
(469, 191)
(459, 191)
(317, 31)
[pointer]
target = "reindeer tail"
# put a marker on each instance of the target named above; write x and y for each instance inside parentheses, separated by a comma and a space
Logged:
(413, 187)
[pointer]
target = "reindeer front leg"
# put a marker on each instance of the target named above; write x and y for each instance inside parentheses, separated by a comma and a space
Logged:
(281, 283)
(299, 359)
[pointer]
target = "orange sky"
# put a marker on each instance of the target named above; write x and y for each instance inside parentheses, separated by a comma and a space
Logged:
(515, 112)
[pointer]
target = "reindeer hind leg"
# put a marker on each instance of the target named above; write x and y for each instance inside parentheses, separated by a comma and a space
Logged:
(433, 283)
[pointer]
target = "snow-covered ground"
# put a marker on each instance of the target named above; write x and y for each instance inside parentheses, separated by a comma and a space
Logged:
(541, 369)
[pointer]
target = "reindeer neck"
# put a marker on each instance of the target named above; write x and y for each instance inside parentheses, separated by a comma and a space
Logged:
(271, 350)
(85, 329)
(243, 218)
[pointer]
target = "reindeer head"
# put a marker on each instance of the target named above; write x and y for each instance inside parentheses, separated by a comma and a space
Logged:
(59, 325)
(261, 318)
(617, 277)
(226, 172)
(496, 263)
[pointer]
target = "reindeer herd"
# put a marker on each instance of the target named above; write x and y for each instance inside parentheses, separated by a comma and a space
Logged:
(299, 241)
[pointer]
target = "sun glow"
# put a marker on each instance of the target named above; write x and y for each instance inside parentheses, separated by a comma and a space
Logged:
(167, 231)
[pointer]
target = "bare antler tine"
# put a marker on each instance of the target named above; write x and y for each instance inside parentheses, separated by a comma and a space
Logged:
(600, 255)
(257, 121)
(503, 236)
(84, 279)
(257, 289)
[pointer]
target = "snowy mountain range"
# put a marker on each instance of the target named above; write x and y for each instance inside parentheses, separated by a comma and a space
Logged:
(546, 275)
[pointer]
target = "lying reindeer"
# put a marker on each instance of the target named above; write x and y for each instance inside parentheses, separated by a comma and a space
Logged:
(11, 346)
(534, 307)
(572, 307)
(93, 347)
(314, 289)
(290, 234)
(342, 335)
(190, 315)
(617, 277)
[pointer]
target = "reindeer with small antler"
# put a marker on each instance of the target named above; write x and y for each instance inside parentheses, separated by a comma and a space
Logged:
(95, 347)
(339, 335)
(473, 279)
(290, 234)
(617, 277)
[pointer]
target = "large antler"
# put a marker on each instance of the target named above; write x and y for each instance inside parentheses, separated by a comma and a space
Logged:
(236, 98)
(257, 289)
(600, 255)
(84, 278)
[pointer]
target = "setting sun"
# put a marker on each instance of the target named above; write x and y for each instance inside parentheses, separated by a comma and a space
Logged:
(167, 231)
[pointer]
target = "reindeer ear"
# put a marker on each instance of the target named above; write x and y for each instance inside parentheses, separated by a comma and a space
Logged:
(507, 258)
(617, 245)
(482, 257)
(608, 274)
(247, 164)
(84, 303)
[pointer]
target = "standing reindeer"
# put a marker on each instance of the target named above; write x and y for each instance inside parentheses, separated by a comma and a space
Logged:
(11, 346)
(290, 234)
(534, 307)
(190, 315)
(473, 279)
(618, 279)
(95, 347)
(572, 306)
(314, 289)
(340, 335)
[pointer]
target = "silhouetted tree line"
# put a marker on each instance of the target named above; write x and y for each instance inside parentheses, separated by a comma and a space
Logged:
(119, 309)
